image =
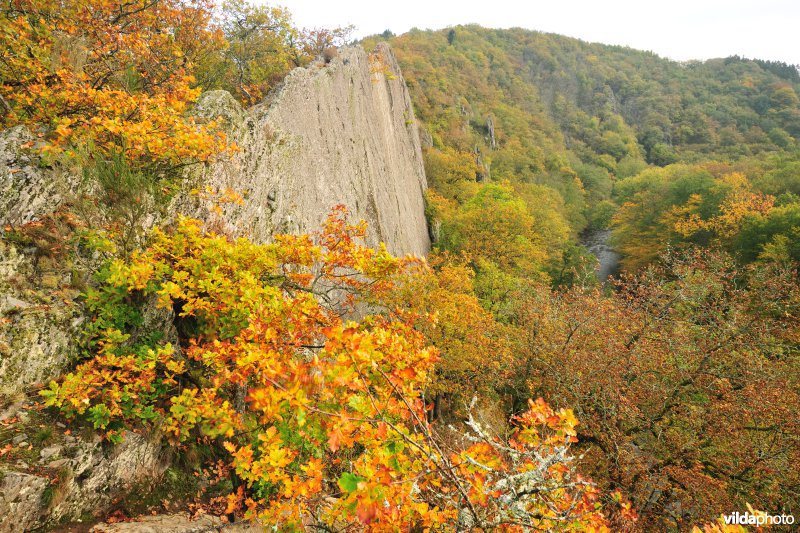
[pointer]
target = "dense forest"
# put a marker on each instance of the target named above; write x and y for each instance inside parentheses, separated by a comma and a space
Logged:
(684, 374)
(315, 383)
(545, 114)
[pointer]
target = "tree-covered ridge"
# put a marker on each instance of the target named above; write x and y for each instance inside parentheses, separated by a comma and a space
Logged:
(730, 106)
(564, 121)
(684, 370)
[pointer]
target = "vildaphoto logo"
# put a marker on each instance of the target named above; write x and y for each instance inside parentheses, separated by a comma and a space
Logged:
(758, 519)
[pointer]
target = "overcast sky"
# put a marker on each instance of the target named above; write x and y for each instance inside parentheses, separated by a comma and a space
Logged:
(678, 29)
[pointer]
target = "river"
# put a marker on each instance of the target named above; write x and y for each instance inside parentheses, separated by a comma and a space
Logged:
(596, 241)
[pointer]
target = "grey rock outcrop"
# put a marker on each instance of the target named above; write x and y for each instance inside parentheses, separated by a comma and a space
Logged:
(179, 523)
(37, 330)
(21, 500)
(89, 478)
(27, 192)
(341, 133)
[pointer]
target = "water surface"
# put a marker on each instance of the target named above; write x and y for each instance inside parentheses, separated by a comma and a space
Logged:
(596, 241)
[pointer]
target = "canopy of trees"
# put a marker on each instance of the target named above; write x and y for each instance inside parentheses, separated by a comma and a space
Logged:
(685, 370)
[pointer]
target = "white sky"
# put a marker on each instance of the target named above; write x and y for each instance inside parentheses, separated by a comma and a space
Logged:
(678, 29)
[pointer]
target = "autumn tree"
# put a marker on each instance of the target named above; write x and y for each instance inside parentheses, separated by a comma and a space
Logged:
(317, 41)
(685, 380)
(261, 46)
(714, 205)
(497, 225)
(108, 77)
(475, 350)
(452, 173)
(320, 418)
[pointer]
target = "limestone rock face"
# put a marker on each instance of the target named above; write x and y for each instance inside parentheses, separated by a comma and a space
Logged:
(21, 501)
(342, 133)
(38, 329)
(27, 191)
(179, 523)
(90, 477)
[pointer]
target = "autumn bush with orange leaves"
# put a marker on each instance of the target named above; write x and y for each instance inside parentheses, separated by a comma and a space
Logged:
(114, 77)
(119, 78)
(320, 417)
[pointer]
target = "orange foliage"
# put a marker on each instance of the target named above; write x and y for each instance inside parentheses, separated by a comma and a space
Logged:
(683, 380)
(321, 418)
(475, 350)
(110, 75)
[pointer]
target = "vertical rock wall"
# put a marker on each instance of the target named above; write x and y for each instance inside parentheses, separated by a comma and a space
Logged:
(342, 133)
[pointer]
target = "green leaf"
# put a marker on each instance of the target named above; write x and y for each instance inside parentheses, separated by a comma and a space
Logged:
(114, 437)
(358, 404)
(51, 395)
(349, 482)
(100, 416)
(148, 413)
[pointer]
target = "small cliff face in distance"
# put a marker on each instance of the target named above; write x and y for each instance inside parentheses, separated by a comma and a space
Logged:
(342, 133)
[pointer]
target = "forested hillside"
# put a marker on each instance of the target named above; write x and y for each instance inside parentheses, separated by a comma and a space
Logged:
(314, 383)
(683, 374)
(538, 109)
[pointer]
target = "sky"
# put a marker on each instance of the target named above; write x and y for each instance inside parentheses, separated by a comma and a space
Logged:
(677, 29)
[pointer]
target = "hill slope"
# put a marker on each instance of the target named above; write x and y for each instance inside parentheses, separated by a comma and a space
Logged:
(564, 120)
(532, 139)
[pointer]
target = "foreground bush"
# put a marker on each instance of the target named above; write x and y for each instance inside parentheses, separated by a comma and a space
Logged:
(320, 420)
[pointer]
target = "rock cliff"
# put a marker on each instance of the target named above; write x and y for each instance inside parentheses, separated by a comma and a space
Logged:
(336, 133)
(341, 133)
